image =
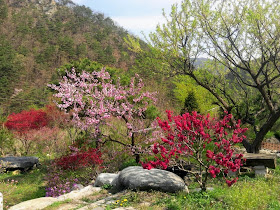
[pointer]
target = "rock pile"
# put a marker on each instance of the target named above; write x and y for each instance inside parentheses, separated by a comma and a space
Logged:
(137, 178)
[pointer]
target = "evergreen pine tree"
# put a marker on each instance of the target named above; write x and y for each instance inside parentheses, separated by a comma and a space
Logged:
(190, 103)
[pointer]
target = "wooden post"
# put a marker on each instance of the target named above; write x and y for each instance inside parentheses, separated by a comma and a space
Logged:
(1, 201)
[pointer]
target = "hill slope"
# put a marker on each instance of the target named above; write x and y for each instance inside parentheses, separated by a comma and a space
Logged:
(38, 36)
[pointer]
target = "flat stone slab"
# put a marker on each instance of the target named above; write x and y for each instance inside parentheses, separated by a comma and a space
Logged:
(79, 194)
(21, 163)
(41, 203)
(137, 178)
(267, 160)
(38, 203)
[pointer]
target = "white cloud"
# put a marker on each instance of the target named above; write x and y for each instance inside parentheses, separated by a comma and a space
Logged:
(133, 15)
(140, 22)
(156, 3)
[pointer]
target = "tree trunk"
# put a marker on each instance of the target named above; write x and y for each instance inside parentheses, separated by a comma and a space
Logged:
(255, 146)
(137, 158)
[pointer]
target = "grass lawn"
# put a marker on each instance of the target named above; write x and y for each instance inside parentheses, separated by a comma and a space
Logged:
(247, 193)
(21, 187)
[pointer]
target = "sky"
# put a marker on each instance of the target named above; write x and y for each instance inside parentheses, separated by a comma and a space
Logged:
(133, 15)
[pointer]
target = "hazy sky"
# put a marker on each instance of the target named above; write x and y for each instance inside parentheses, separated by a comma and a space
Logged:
(133, 15)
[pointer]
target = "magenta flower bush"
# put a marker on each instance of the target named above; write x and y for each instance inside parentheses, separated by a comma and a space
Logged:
(58, 183)
(197, 139)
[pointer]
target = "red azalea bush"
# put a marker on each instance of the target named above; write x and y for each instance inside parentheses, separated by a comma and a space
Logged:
(79, 159)
(26, 120)
(23, 124)
(197, 139)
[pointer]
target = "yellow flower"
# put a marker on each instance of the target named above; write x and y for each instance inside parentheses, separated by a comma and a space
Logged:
(121, 204)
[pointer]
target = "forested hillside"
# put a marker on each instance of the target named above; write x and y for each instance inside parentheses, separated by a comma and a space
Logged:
(38, 36)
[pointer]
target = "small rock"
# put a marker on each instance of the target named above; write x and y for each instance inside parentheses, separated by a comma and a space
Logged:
(103, 202)
(272, 140)
(77, 187)
(144, 204)
(16, 172)
(105, 178)
(260, 170)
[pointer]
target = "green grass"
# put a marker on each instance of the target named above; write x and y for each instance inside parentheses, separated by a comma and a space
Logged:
(22, 187)
(55, 205)
(247, 193)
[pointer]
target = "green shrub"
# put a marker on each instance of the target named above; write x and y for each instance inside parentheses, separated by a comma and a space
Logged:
(130, 162)
(190, 103)
(152, 112)
(269, 135)
(6, 142)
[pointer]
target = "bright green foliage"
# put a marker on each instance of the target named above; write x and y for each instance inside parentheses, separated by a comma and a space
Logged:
(133, 44)
(186, 86)
(241, 40)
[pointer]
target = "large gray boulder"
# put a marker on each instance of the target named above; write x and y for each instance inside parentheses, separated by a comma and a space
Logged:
(18, 163)
(105, 178)
(137, 178)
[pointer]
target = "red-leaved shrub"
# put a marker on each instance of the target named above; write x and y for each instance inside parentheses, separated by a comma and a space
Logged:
(23, 124)
(26, 120)
(79, 159)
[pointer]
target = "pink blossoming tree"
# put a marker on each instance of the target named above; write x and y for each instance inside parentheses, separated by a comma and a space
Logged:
(93, 98)
(199, 140)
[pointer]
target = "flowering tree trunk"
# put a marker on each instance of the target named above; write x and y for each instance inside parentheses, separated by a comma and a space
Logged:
(93, 100)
